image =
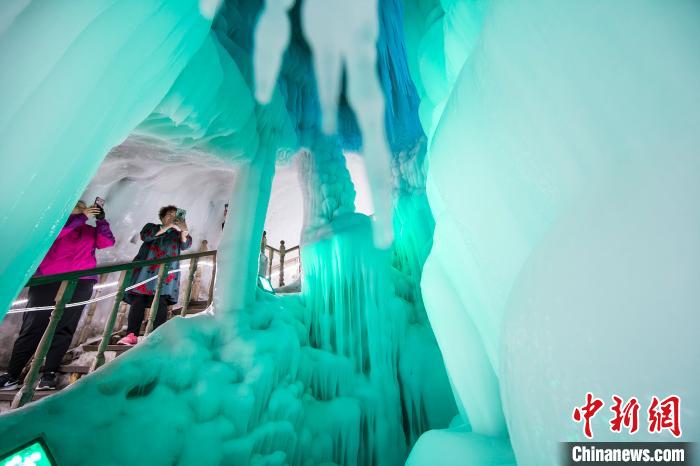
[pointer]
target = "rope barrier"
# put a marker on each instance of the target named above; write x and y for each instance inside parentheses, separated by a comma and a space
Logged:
(93, 300)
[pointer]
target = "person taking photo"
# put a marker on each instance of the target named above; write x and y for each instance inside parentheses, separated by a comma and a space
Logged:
(73, 249)
(167, 239)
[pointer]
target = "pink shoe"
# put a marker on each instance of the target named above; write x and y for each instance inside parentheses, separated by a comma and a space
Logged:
(130, 340)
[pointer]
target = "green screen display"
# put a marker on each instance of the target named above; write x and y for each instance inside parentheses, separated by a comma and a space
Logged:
(33, 454)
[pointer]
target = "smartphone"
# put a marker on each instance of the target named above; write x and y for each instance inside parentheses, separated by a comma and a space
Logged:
(99, 202)
(180, 214)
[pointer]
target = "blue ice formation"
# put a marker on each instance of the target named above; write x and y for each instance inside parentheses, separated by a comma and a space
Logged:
(534, 163)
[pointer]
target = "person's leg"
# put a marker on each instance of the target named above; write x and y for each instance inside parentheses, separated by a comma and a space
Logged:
(162, 314)
(136, 313)
(67, 326)
(34, 324)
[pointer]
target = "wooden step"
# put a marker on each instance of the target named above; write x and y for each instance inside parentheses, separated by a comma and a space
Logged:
(194, 308)
(71, 369)
(116, 348)
(9, 395)
(74, 369)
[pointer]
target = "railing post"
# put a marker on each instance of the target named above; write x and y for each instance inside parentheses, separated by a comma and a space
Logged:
(64, 295)
(120, 317)
(269, 264)
(210, 298)
(124, 278)
(198, 274)
(188, 287)
(282, 253)
(162, 272)
(91, 312)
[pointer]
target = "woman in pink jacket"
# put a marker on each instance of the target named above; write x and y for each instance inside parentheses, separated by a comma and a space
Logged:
(74, 249)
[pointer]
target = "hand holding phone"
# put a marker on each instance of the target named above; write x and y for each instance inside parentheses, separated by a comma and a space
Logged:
(99, 204)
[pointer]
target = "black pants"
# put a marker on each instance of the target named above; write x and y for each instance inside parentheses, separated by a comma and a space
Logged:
(34, 324)
(139, 303)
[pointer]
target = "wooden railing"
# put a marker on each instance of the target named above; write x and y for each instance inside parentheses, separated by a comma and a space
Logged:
(283, 259)
(69, 280)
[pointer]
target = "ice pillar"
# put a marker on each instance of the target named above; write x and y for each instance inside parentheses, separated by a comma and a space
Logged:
(237, 261)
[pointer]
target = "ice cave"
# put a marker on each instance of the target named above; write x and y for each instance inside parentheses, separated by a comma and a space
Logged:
(424, 232)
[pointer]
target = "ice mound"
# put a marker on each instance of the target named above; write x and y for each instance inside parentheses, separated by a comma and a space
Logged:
(457, 446)
(181, 384)
(206, 393)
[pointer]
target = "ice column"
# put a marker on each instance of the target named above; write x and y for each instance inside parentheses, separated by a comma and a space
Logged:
(239, 247)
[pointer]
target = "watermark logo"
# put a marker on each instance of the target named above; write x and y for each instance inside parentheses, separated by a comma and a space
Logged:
(662, 414)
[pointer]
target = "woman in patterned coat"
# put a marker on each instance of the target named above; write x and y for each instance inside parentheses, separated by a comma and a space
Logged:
(165, 240)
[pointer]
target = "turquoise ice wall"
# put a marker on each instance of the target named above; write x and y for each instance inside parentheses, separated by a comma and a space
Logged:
(563, 177)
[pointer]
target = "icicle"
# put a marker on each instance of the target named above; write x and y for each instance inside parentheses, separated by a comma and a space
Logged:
(272, 35)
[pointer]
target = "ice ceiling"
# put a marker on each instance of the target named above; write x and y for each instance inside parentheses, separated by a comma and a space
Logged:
(534, 173)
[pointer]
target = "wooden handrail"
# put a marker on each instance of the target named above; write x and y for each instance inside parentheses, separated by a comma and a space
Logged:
(43, 279)
(294, 248)
(69, 281)
(282, 253)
